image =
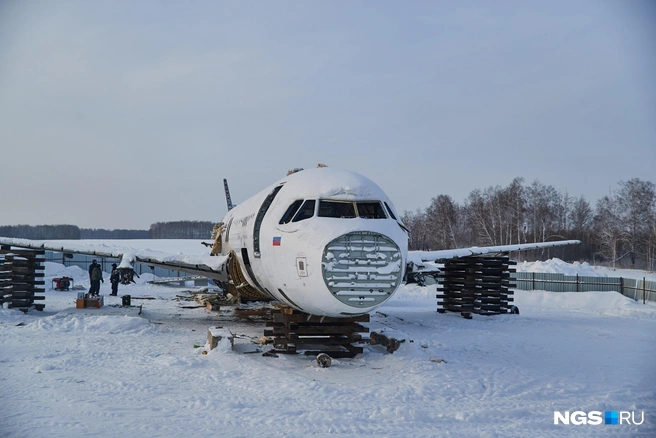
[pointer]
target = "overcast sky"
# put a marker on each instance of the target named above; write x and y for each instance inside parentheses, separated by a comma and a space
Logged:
(119, 114)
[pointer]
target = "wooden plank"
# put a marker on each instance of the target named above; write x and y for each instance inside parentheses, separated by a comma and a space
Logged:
(262, 312)
(325, 331)
(293, 330)
(337, 354)
(28, 282)
(321, 341)
(282, 318)
(27, 288)
(26, 277)
(28, 297)
(26, 270)
(4, 249)
(29, 262)
(21, 303)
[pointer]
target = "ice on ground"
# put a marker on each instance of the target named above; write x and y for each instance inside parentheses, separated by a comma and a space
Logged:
(114, 372)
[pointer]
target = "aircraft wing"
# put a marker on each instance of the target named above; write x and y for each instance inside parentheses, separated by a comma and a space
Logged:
(214, 267)
(419, 257)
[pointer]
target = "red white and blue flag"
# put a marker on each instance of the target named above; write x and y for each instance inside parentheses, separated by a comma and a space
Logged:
(276, 241)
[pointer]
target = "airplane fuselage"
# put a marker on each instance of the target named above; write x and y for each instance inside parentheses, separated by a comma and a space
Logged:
(324, 241)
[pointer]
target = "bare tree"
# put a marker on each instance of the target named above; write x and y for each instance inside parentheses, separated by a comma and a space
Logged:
(541, 211)
(636, 201)
(41, 232)
(416, 223)
(581, 217)
(608, 228)
(516, 207)
(622, 224)
(442, 222)
(480, 221)
(181, 230)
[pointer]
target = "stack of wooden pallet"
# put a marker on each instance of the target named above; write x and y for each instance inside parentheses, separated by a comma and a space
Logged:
(6, 263)
(476, 284)
(21, 277)
(293, 330)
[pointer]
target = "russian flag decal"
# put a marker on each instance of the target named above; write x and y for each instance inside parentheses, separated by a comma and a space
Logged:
(276, 241)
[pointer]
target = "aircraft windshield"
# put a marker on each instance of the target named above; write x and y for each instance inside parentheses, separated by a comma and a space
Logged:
(306, 211)
(336, 209)
(291, 211)
(371, 210)
(389, 210)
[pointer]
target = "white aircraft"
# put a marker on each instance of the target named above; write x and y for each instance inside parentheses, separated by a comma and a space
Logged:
(323, 241)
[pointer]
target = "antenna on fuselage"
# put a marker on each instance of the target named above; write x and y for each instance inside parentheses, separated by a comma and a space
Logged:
(227, 193)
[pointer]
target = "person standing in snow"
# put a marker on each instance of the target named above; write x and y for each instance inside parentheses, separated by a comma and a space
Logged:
(96, 278)
(91, 267)
(114, 278)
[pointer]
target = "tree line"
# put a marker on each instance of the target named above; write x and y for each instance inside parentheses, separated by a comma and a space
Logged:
(181, 230)
(159, 230)
(620, 230)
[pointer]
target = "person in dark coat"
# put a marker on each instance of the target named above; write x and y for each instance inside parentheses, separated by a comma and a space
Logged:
(115, 279)
(91, 267)
(96, 278)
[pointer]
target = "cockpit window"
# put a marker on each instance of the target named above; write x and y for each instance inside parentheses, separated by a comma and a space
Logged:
(371, 210)
(336, 209)
(306, 211)
(389, 210)
(291, 211)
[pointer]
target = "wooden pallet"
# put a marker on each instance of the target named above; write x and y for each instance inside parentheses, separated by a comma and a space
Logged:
(293, 331)
(476, 284)
(20, 281)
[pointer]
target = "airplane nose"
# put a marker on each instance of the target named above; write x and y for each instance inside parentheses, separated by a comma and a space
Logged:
(362, 269)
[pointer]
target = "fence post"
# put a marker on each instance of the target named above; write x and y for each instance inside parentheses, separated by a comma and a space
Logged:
(622, 285)
(577, 282)
(644, 290)
(533, 276)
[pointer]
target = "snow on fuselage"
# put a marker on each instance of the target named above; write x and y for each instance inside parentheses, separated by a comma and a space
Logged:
(325, 241)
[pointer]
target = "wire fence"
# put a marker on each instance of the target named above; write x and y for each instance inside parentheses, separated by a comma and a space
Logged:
(639, 290)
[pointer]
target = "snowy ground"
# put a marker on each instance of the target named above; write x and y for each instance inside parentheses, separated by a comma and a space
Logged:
(557, 266)
(110, 372)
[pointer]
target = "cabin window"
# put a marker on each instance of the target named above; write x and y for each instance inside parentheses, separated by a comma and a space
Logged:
(291, 211)
(306, 211)
(389, 210)
(336, 209)
(371, 210)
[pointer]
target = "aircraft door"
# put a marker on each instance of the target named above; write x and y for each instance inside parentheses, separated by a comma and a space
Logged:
(258, 221)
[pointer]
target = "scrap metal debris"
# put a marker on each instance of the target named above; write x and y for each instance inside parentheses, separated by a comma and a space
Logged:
(386, 340)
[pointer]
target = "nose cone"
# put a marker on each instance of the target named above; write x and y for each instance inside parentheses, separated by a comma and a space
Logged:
(362, 269)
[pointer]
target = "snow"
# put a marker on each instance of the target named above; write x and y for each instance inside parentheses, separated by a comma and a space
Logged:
(328, 182)
(418, 257)
(114, 372)
(557, 266)
(53, 270)
(189, 251)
